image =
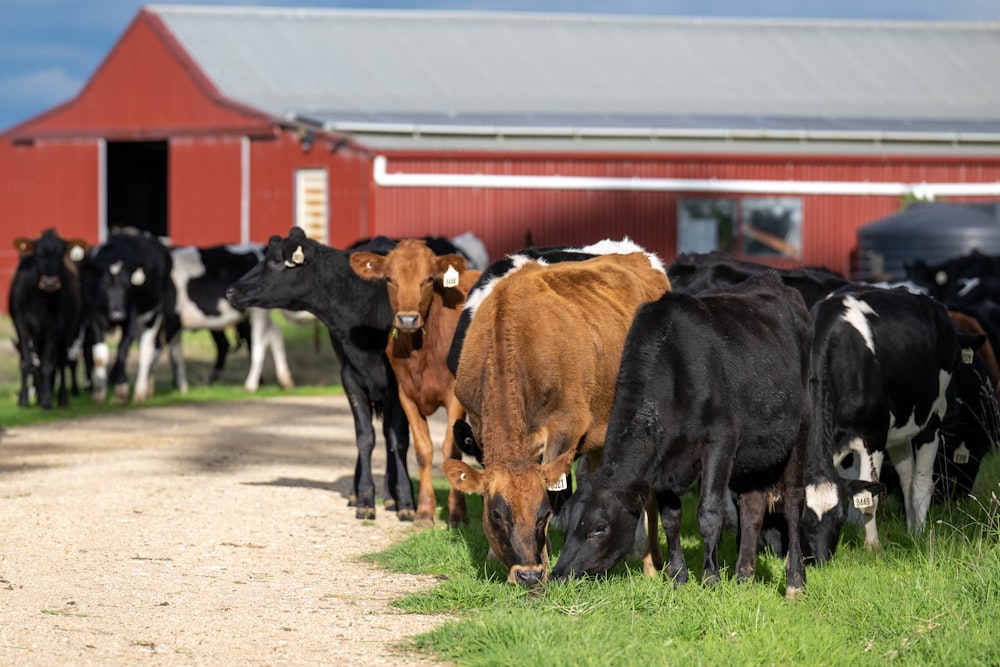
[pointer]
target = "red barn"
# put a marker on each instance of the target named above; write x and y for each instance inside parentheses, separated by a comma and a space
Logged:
(775, 140)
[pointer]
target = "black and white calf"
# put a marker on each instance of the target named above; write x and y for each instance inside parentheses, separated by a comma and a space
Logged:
(201, 277)
(298, 273)
(45, 306)
(127, 286)
(882, 365)
(712, 391)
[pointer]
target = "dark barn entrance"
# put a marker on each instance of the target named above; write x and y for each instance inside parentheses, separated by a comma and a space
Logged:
(137, 186)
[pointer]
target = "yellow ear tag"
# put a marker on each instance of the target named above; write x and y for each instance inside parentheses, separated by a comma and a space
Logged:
(450, 277)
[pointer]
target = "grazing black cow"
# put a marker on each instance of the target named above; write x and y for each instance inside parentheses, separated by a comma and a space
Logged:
(712, 389)
(298, 273)
(201, 277)
(45, 306)
(698, 272)
(127, 286)
(882, 365)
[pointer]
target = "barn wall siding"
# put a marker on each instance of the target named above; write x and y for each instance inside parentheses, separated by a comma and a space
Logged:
(204, 191)
(503, 217)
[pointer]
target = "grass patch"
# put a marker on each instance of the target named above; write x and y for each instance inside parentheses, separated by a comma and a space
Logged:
(924, 600)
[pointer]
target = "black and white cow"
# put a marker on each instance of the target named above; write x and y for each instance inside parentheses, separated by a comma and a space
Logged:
(45, 306)
(127, 286)
(201, 277)
(882, 365)
(298, 273)
(712, 391)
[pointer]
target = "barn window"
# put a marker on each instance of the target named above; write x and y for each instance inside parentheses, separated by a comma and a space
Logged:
(706, 224)
(772, 227)
(312, 210)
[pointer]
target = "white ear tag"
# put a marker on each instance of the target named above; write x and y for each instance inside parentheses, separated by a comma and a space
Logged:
(863, 500)
(940, 277)
(76, 253)
(967, 355)
(450, 277)
(115, 268)
(961, 456)
(560, 484)
(138, 277)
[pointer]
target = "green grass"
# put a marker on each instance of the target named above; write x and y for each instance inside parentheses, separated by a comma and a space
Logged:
(313, 363)
(932, 600)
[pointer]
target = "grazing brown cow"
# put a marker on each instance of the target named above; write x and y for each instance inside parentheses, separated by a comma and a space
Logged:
(426, 292)
(537, 378)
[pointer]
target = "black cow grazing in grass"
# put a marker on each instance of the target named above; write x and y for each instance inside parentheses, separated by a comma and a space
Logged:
(127, 286)
(45, 306)
(201, 277)
(712, 390)
(298, 273)
(698, 272)
(882, 368)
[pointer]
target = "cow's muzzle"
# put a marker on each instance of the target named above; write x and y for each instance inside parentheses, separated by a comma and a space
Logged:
(49, 283)
(408, 321)
(527, 576)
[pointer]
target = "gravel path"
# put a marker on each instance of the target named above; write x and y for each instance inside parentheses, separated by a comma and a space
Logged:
(212, 534)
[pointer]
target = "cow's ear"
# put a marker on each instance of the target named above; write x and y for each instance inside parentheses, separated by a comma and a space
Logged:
(444, 262)
(464, 477)
(76, 250)
(634, 496)
(556, 470)
(23, 246)
(368, 265)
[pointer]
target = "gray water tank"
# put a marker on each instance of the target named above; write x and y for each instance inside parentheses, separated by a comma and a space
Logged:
(931, 231)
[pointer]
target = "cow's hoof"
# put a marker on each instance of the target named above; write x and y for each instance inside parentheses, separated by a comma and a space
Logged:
(99, 396)
(423, 521)
(406, 515)
(458, 521)
(710, 579)
(121, 395)
(365, 513)
(389, 505)
(352, 500)
(793, 594)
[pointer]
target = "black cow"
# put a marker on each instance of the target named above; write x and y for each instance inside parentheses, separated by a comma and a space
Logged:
(698, 272)
(882, 365)
(127, 286)
(45, 306)
(712, 390)
(201, 277)
(298, 273)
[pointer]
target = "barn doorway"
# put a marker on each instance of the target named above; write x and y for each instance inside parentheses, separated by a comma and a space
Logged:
(137, 186)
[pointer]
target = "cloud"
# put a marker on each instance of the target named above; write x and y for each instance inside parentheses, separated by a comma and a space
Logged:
(41, 86)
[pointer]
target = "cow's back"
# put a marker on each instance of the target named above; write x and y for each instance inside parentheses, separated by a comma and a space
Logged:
(546, 345)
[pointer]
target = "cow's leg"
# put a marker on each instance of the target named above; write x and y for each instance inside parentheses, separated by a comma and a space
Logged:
(423, 449)
(101, 356)
(652, 559)
(221, 351)
(795, 569)
(147, 355)
(259, 337)
(363, 493)
(276, 341)
(752, 505)
(712, 508)
(458, 514)
(176, 352)
(922, 485)
(61, 368)
(670, 517)
(397, 443)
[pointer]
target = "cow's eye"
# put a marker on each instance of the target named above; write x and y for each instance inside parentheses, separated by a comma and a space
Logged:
(600, 530)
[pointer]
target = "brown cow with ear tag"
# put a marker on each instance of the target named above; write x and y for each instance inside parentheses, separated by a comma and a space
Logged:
(426, 293)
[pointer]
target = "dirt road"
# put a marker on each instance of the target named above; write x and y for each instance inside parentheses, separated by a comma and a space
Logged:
(214, 534)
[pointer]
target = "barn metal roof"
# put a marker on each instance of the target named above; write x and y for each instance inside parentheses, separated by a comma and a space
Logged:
(397, 77)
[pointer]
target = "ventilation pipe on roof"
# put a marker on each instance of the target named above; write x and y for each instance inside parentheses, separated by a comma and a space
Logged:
(927, 191)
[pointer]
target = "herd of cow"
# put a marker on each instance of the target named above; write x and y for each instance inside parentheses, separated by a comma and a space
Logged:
(779, 392)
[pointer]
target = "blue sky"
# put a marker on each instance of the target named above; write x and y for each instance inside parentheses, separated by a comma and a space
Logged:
(49, 48)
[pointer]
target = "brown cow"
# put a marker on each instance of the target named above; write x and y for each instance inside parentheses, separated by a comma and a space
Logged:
(426, 312)
(970, 324)
(537, 378)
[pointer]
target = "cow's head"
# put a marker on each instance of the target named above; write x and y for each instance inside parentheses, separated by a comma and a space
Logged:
(53, 256)
(277, 281)
(600, 523)
(516, 509)
(825, 511)
(411, 271)
(117, 280)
